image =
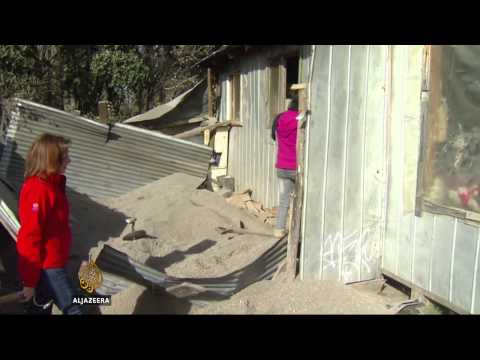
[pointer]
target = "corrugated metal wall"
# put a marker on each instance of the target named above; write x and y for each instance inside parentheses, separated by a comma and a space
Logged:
(131, 158)
(437, 253)
(252, 152)
(251, 149)
(345, 187)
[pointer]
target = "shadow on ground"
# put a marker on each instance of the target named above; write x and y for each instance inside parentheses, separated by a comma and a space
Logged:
(162, 263)
(159, 301)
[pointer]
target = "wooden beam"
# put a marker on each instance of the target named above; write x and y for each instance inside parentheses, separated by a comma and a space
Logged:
(298, 87)
(294, 228)
(200, 130)
(426, 293)
(210, 92)
(194, 120)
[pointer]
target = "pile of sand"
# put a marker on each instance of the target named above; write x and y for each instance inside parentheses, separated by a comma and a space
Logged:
(183, 239)
(181, 223)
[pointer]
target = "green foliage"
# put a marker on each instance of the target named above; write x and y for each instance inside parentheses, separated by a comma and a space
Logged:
(134, 78)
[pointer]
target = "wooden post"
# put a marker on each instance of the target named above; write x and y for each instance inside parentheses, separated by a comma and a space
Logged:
(206, 133)
(210, 92)
(294, 230)
(104, 111)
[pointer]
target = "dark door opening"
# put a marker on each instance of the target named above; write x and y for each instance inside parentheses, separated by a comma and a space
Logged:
(292, 65)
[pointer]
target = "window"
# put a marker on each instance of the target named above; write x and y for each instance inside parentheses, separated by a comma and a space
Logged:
(452, 158)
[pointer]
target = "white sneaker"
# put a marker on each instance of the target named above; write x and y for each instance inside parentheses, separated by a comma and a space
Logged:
(279, 233)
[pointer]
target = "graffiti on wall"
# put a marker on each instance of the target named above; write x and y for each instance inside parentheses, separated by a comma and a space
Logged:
(355, 253)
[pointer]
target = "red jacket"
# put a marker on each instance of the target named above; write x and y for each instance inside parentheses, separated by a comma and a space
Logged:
(44, 238)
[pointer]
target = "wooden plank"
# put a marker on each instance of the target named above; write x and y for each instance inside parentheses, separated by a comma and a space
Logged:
(194, 120)
(210, 91)
(353, 178)
(412, 126)
(464, 265)
(298, 87)
(333, 232)
(424, 129)
(430, 295)
(437, 119)
(200, 130)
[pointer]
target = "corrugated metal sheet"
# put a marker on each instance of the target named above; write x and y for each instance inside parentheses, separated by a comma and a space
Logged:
(251, 149)
(192, 103)
(112, 261)
(437, 253)
(131, 158)
(345, 184)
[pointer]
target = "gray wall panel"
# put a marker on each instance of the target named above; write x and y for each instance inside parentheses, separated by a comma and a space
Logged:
(423, 250)
(333, 231)
(354, 166)
(347, 246)
(318, 143)
(464, 265)
(374, 181)
(436, 253)
(441, 255)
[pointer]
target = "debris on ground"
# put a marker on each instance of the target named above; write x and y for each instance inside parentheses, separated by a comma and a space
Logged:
(244, 200)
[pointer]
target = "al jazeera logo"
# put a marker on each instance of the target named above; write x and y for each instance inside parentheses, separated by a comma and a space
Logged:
(91, 279)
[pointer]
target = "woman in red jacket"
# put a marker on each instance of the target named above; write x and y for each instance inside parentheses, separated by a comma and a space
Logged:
(44, 238)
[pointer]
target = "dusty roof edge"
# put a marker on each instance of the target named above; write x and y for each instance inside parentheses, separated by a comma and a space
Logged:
(169, 106)
(217, 52)
(96, 123)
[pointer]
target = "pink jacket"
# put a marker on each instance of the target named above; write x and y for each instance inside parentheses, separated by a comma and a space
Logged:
(287, 140)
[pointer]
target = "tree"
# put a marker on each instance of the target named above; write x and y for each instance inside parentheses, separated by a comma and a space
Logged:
(134, 78)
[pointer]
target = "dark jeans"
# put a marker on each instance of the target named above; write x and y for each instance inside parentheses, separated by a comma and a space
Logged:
(54, 286)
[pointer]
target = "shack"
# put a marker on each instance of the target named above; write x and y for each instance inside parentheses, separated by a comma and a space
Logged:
(390, 154)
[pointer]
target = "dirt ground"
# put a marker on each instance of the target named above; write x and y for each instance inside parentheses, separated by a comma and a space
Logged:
(307, 297)
(183, 240)
(270, 297)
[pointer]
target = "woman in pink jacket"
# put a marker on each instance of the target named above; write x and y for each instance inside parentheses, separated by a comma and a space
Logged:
(284, 131)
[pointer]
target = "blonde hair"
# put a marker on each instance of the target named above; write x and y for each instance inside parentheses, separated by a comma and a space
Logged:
(46, 155)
